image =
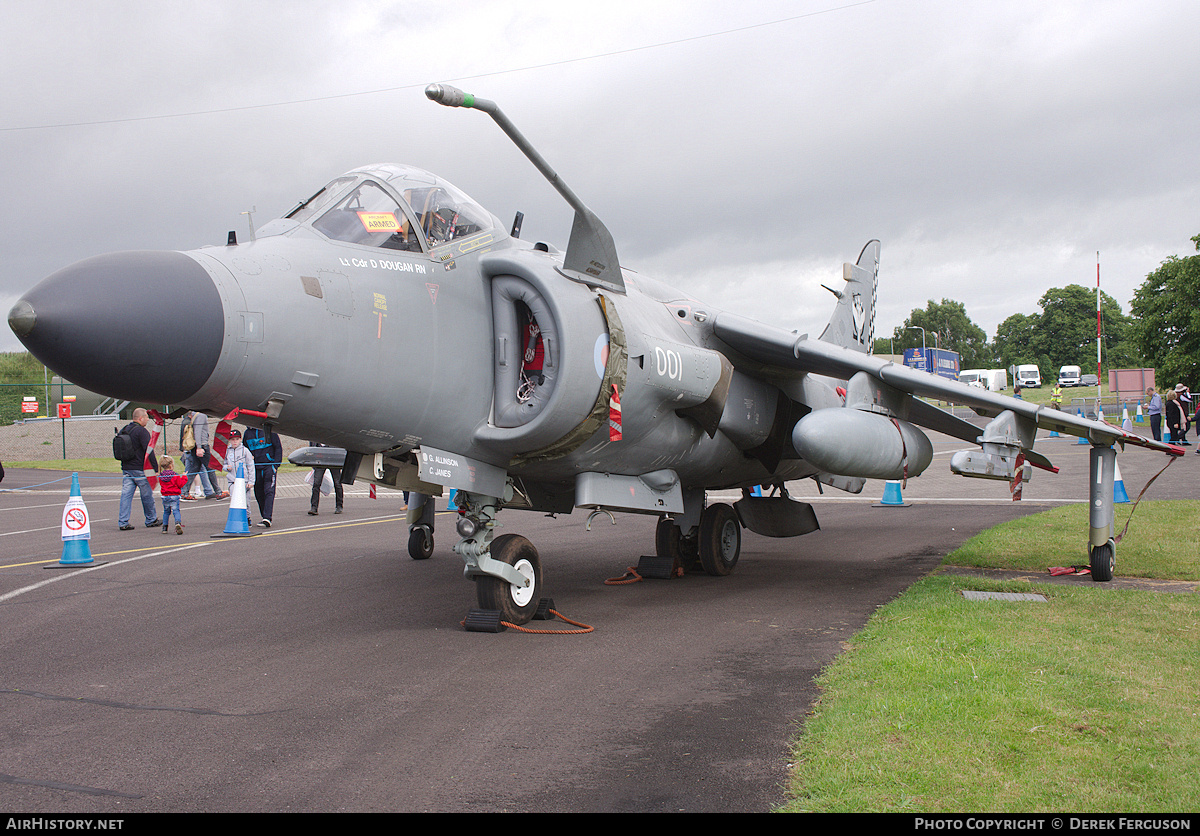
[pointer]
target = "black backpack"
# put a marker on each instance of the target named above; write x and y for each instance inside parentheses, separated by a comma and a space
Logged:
(124, 447)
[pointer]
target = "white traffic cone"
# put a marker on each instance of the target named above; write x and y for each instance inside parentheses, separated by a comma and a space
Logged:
(238, 522)
(76, 529)
(1119, 493)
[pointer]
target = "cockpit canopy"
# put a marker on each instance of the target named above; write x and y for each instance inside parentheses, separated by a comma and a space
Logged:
(395, 207)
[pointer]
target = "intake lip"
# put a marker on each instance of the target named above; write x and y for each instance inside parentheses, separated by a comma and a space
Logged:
(144, 326)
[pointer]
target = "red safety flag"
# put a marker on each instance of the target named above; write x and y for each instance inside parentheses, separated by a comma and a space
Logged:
(614, 414)
(151, 476)
(1016, 482)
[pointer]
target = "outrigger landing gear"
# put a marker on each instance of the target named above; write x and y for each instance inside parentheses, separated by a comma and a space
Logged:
(507, 570)
(1102, 546)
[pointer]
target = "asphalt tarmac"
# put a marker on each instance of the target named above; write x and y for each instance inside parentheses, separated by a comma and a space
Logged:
(317, 668)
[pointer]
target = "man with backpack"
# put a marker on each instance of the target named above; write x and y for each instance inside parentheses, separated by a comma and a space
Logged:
(129, 448)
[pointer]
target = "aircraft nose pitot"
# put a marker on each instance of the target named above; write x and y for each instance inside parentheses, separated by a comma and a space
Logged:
(145, 326)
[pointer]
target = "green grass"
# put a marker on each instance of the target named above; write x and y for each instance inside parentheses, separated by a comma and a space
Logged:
(1160, 541)
(1086, 703)
(102, 465)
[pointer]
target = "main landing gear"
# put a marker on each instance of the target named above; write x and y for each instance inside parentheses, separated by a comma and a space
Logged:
(713, 545)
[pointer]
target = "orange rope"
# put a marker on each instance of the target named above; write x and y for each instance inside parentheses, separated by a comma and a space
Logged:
(1117, 539)
(631, 576)
(584, 627)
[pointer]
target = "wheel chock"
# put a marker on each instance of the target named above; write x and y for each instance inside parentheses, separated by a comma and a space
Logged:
(483, 621)
(545, 605)
(653, 566)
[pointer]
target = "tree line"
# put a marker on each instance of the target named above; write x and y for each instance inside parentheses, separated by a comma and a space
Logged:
(1162, 330)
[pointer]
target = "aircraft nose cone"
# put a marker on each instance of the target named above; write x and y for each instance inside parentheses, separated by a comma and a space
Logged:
(145, 326)
(22, 318)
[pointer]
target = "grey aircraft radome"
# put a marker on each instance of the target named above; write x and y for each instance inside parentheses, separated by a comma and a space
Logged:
(394, 319)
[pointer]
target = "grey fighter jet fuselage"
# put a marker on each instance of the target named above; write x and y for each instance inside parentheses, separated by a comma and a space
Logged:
(392, 317)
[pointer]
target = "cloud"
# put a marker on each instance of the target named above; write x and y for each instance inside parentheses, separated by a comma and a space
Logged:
(994, 149)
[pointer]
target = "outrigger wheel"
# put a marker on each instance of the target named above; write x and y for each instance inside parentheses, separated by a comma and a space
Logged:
(1104, 561)
(516, 604)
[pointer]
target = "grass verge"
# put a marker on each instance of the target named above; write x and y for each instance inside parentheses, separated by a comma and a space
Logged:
(1085, 703)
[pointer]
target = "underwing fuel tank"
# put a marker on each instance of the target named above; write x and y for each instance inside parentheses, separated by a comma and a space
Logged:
(851, 442)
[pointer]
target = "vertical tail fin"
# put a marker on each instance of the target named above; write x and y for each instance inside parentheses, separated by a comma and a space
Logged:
(853, 322)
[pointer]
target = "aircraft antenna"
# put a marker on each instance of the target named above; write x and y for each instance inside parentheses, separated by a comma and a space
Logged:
(591, 253)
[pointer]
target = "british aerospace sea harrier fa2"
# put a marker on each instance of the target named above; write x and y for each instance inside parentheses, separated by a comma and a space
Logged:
(394, 319)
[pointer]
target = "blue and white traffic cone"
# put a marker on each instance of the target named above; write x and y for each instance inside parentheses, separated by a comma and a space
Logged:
(1119, 494)
(1081, 440)
(1139, 419)
(238, 522)
(891, 496)
(76, 529)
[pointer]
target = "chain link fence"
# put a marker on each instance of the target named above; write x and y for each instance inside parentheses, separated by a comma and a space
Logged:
(89, 437)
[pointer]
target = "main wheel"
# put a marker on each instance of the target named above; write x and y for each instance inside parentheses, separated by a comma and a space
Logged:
(1104, 561)
(517, 604)
(720, 539)
(420, 542)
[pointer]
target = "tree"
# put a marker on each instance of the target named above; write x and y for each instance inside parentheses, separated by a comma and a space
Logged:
(946, 326)
(1064, 333)
(1068, 328)
(1167, 328)
(1017, 340)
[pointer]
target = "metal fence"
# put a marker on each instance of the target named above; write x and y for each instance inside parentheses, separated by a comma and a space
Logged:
(41, 396)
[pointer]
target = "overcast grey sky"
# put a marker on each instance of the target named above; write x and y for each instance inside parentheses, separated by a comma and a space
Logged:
(740, 151)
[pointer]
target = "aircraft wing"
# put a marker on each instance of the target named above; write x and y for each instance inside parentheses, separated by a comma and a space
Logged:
(780, 347)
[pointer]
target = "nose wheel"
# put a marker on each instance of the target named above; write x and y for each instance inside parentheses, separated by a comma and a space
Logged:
(516, 602)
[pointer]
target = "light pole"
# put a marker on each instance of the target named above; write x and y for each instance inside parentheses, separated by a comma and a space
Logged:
(924, 353)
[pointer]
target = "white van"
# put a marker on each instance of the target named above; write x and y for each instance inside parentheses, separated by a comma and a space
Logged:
(973, 377)
(1029, 377)
(1068, 376)
(996, 380)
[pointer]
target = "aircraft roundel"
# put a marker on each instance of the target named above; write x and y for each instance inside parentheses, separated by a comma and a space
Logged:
(600, 355)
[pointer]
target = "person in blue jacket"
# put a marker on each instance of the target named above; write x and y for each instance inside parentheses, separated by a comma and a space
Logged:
(268, 454)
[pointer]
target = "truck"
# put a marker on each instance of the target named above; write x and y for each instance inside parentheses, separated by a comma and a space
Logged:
(1029, 377)
(1069, 376)
(939, 361)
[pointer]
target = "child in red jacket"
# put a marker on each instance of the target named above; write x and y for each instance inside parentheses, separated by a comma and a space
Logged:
(170, 483)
